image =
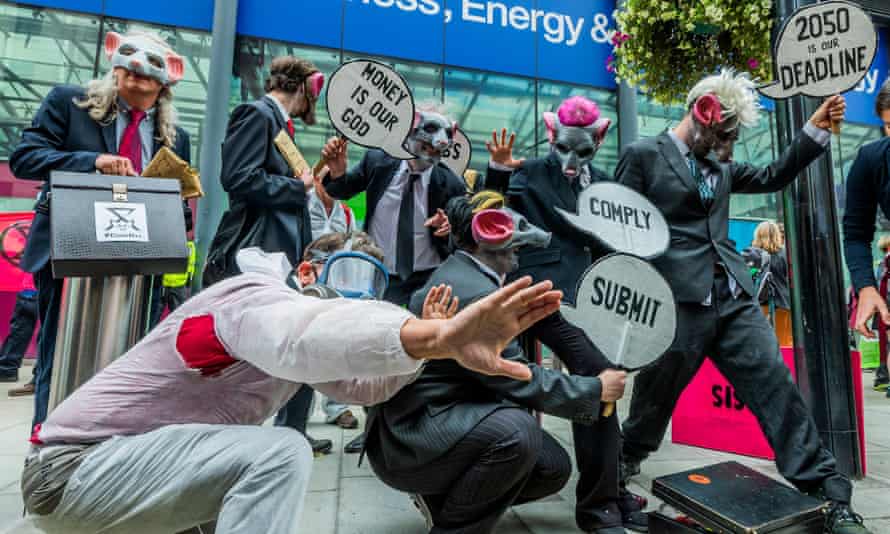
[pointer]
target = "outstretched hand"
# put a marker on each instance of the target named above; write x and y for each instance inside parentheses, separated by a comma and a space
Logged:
(477, 335)
(439, 304)
(502, 151)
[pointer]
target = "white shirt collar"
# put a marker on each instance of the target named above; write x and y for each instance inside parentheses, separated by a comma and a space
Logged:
(424, 176)
(681, 145)
(124, 107)
(280, 107)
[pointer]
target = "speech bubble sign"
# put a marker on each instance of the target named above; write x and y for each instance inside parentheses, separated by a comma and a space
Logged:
(370, 104)
(622, 219)
(457, 156)
(627, 309)
(823, 49)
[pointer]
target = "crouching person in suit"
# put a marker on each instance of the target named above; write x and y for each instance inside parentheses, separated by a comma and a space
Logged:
(464, 443)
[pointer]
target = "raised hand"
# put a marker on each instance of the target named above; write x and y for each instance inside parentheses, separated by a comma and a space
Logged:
(439, 304)
(502, 151)
(831, 112)
(439, 221)
(477, 335)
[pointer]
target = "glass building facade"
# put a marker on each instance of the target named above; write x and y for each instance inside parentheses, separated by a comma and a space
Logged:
(41, 47)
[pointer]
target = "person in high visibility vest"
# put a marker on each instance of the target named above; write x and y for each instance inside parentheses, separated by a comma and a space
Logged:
(175, 288)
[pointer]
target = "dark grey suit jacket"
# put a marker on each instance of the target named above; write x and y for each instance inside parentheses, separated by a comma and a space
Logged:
(428, 417)
(700, 234)
(63, 137)
(267, 205)
(374, 174)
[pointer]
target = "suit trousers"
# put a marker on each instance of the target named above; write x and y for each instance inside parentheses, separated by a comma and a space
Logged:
(295, 412)
(504, 461)
(49, 297)
(740, 341)
(597, 446)
(400, 290)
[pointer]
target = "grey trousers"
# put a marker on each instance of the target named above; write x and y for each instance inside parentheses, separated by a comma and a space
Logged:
(740, 341)
(248, 478)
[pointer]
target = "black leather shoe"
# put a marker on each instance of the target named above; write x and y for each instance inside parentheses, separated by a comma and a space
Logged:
(356, 445)
(12, 377)
(841, 519)
(320, 446)
(632, 514)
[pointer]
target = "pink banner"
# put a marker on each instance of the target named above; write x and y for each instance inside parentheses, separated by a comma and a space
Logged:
(14, 227)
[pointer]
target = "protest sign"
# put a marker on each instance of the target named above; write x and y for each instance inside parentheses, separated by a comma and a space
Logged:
(370, 104)
(458, 155)
(624, 220)
(823, 49)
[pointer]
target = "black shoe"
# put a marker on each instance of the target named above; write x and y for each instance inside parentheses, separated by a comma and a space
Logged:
(632, 514)
(841, 519)
(320, 446)
(629, 468)
(882, 378)
(356, 445)
(11, 377)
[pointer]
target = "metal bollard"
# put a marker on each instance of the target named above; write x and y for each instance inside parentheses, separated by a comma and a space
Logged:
(100, 319)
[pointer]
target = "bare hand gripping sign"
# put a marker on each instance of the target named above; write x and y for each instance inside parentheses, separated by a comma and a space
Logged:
(621, 218)
(370, 104)
(823, 49)
(627, 309)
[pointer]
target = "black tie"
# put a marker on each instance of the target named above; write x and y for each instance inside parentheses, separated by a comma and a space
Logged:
(405, 234)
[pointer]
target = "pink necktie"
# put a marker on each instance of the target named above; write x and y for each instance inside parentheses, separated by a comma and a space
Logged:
(131, 142)
(290, 128)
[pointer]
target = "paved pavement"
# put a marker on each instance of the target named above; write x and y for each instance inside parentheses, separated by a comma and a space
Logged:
(347, 499)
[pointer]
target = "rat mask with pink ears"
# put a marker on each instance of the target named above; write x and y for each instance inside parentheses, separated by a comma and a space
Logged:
(144, 55)
(430, 136)
(712, 131)
(576, 131)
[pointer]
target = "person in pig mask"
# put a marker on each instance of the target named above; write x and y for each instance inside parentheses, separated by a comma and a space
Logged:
(114, 125)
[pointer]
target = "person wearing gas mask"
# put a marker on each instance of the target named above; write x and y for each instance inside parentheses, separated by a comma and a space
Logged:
(268, 205)
(114, 125)
(405, 199)
(168, 436)
(689, 174)
(535, 188)
(464, 444)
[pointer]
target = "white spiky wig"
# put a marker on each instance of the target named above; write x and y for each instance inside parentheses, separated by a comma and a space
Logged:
(736, 92)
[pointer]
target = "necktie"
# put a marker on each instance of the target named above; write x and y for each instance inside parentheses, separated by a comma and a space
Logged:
(705, 191)
(405, 232)
(131, 142)
(290, 128)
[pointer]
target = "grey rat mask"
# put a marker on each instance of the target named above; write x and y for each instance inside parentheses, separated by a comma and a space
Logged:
(430, 136)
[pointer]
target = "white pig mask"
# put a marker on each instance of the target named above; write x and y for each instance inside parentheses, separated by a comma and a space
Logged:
(145, 55)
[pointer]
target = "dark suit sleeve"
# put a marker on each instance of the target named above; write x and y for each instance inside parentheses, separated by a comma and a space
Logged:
(497, 180)
(40, 150)
(863, 188)
(747, 178)
(243, 157)
(353, 182)
(628, 172)
(572, 397)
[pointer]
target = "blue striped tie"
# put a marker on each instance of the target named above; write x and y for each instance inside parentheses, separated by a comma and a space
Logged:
(704, 188)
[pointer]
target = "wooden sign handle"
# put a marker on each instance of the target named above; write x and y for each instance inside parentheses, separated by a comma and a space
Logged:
(836, 127)
(608, 409)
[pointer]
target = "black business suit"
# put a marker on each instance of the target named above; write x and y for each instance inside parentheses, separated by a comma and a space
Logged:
(373, 174)
(732, 331)
(535, 190)
(62, 137)
(416, 439)
(268, 206)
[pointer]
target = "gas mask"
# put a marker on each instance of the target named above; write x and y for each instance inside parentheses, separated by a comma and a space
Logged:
(576, 132)
(499, 233)
(144, 55)
(430, 136)
(354, 275)
(712, 130)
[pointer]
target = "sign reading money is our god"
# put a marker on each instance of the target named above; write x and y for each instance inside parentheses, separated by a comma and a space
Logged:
(370, 104)
(823, 49)
(457, 157)
(624, 220)
(627, 309)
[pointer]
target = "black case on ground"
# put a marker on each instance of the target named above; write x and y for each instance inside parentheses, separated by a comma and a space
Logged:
(733, 499)
(76, 249)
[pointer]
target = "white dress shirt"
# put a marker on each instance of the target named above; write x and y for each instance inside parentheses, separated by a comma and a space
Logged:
(384, 226)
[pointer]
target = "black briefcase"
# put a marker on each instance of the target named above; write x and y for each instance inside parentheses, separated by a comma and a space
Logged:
(733, 499)
(662, 524)
(116, 225)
